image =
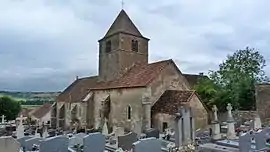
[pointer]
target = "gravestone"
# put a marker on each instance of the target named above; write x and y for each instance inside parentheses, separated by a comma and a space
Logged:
(257, 124)
(77, 139)
(105, 128)
(125, 142)
(30, 142)
(94, 142)
(54, 144)
(147, 145)
(215, 125)
(152, 133)
(185, 127)
(23, 139)
(260, 138)
(9, 144)
(3, 119)
(230, 123)
(45, 133)
(245, 142)
(20, 128)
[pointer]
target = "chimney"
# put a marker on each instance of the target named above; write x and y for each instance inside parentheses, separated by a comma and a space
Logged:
(201, 73)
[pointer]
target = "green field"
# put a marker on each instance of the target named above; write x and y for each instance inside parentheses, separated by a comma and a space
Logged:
(31, 98)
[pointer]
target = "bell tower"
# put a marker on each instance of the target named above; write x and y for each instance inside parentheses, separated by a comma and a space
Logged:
(121, 47)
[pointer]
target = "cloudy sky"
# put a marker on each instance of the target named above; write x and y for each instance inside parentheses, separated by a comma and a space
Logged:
(44, 44)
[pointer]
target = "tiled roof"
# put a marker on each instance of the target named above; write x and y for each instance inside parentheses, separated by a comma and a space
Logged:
(25, 112)
(193, 79)
(171, 100)
(42, 111)
(77, 90)
(137, 76)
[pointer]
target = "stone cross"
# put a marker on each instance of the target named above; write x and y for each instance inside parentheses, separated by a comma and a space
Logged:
(229, 108)
(21, 119)
(3, 119)
(230, 123)
(215, 112)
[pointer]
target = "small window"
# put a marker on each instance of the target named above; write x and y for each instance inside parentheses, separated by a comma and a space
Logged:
(128, 112)
(134, 45)
(108, 46)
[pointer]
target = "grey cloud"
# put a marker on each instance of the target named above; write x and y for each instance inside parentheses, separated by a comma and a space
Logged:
(45, 44)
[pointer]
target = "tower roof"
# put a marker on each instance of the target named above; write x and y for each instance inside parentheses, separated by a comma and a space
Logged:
(123, 23)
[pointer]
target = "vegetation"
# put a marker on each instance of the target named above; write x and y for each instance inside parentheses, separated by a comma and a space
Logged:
(9, 107)
(31, 98)
(234, 82)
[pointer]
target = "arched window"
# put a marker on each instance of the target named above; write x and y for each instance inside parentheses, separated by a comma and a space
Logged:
(108, 46)
(134, 45)
(128, 112)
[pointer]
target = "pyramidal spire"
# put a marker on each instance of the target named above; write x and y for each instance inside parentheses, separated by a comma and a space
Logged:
(124, 24)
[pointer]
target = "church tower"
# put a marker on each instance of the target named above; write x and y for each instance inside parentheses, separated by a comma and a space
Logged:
(121, 47)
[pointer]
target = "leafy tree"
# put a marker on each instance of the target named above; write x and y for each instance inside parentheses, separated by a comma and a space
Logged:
(234, 82)
(9, 107)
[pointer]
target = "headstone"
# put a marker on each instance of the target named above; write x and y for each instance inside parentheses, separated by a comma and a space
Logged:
(230, 122)
(20, 128)
(215, 125)
(147, 145)
(30, 142)
(257, 124)
(3, 119)
(152, 133)
(245, 142)
(94, 142)
(23, 139)
(77, 139)
(185, 127)
(45, 133)
(9, 144)
(260, 138)
(37, 135)
(54, 144)
(125, 142)
(105, 128)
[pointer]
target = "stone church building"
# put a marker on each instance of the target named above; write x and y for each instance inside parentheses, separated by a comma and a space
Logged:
(128, 91)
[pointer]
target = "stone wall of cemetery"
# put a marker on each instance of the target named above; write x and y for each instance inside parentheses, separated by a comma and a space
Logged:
(263, 101)
(238, 115)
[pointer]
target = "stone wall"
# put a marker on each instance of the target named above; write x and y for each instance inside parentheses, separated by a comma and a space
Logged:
(238, 115)
(263, 101)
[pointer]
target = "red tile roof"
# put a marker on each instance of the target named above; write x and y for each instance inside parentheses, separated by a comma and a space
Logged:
(25, 112)
(137, 76)
(77, 90)
(171, 100)
(42, 111)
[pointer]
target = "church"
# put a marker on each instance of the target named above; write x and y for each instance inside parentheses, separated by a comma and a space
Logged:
(128, 92)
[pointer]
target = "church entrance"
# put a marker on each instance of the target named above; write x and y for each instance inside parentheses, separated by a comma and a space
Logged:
(62, 112)
(164, 126)
(106, 113)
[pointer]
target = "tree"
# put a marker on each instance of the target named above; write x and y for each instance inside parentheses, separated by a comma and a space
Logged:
(9, 108)
(234, 82)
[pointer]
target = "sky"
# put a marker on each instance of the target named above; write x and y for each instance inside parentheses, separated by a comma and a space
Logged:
(45, 44)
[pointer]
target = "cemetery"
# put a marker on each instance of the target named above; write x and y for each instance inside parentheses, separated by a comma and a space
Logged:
(182, 138)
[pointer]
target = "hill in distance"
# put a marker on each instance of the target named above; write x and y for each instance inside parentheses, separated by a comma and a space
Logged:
(30, 96)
